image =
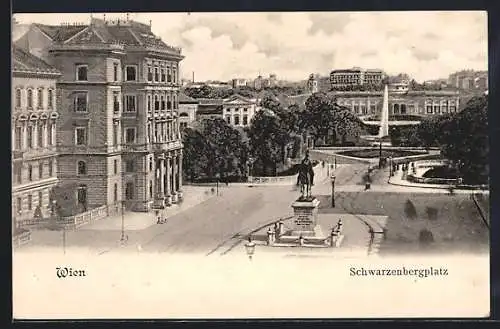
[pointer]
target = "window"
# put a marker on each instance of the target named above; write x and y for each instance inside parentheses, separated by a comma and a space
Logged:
(50, 99)
(18, 97)
(115, 192)
(228, 119)
(169, 74)
(131, 73)
(81, 72)
(150, 164)
(149, 103)
(129, 166)
(40, 198)
(157, 103)
(162, 102)
(115, 166)
(129, 191)
(183, 125)
(115, 71)
(30, 136)
(174, 78)
(245, 109)
(30, 98)
(30, 201)
(81, 102)
(169, 102)
(403, 108)
(453, 109)
(130, 104)
(236, 120)
(150, 189)
(18, 138)
(82, 167)
(81, 136)
(175, 101)
(356, 109)
(150, 73)
(116, 101)
(372, 109)
(228, 110)
(130, 135)
(436, 109)
(363, 109)
(30, 173)
(40, 170)
(156, 75)
(51, 134)
(18, 171)
(115, 134)
(444, 109)
(429, 108)
(149, 133)
(40, 136)
(19, 205)
(245, 120)
(162, 75)
(51, 168)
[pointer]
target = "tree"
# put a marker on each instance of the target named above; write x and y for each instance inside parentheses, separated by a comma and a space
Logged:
(196, 151)
(267, 140)
(465, 141)
(228, 153)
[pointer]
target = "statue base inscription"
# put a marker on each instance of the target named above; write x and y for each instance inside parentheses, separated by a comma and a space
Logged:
(306, 218)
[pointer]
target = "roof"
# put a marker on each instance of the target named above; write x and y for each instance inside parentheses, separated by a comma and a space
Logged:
(129, 33)
(23, 61)
(210, 101)
(209, 110)
(183, 98)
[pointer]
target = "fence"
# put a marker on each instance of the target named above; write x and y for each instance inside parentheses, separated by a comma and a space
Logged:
(20, 239)
(72, 222)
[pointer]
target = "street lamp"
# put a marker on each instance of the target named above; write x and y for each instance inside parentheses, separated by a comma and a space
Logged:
(122, 238)
(333, 190)
(250, 247)
(217, 176)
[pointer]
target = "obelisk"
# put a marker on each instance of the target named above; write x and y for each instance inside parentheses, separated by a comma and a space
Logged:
(384, 117)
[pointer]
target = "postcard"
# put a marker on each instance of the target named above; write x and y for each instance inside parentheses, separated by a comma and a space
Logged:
(250, 165)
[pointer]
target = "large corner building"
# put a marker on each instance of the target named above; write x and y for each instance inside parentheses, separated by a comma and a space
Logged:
(118, 131)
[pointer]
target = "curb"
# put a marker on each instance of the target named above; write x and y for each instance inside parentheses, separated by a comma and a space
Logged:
(480, 210)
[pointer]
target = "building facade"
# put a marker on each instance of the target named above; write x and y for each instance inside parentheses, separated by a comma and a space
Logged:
(209, 108)
(420, 103)
(188, 107)
(238, 111)
(119, 133)
(237, 83)
(34, 134)
(356, 77)
(312, 84)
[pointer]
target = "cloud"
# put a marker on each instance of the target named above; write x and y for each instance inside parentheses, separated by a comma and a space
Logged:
(222, 46)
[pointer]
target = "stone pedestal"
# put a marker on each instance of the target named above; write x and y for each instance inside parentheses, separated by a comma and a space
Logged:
(305, 222)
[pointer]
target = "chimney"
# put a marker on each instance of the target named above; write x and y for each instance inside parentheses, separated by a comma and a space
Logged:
(193, 76)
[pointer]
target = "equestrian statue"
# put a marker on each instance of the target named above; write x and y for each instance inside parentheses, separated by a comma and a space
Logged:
(305, 179)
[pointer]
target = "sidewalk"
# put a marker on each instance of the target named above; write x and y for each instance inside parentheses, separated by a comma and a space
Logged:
(398, 181)
(135, 221)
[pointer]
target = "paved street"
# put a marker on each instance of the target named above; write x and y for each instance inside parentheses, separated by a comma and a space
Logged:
(217, 225)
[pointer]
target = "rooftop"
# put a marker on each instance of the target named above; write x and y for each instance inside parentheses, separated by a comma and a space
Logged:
(183, 98)
(23, 61)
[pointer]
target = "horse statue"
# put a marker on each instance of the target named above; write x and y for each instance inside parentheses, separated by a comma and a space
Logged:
(305, 178)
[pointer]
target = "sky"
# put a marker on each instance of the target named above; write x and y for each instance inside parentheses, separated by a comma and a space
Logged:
(222, 46)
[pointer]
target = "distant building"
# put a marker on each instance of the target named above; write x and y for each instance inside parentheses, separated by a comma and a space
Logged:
(35, 118)
(209, 108)
(481, 82)
(237, 83)
(258, 83)
(188, 107)
(467, 79)
(238, 111)
(312, 84)
(273, 80)
(421, 103)
(355, 77)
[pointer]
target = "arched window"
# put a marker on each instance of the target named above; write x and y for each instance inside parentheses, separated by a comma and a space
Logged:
(396, 108)
(183, 114)
(40, 97)
(18, 97)
(236, 120)
(228, 119)
(82, 167)
(245, 120)
(30, 98)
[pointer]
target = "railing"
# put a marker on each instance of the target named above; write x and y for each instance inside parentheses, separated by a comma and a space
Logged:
(20, 239)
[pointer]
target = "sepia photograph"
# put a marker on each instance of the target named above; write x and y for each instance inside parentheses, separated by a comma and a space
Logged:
(250, 165)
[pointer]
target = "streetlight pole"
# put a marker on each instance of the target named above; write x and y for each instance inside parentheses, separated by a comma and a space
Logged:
(333, 191)
(122, 239)
(380, 154)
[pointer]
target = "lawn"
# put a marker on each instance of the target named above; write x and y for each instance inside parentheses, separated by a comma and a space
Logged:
(454, 221)
(375, 153)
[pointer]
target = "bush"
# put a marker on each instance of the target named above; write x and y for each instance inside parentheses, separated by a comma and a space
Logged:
(410, 210)
(425, 237)
(432, 213)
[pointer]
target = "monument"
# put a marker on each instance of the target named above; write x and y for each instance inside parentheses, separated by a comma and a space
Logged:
(305, 208)
(383, 130)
